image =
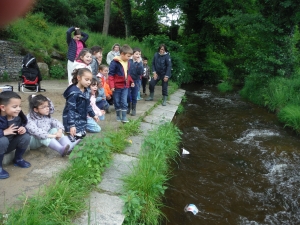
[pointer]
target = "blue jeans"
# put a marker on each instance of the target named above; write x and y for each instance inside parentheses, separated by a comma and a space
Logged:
(120, 99)
(92, 126)
(133, 92)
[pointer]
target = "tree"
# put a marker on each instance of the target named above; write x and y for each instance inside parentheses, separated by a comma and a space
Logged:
(127, 17)
(106, 17)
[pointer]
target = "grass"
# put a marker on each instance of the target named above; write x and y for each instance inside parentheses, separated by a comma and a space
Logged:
(146, 185)
(290, 116)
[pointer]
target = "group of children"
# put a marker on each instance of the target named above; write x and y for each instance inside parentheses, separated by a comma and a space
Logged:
(88, 98)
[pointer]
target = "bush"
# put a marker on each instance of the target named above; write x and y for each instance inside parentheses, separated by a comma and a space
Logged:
(290, 116)
(57, 72)
(225, 87)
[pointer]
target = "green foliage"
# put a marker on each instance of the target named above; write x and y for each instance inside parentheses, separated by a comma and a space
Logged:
(225, 87)
(57, 72)
(147, 183)
(95, 154)
(47, 59)
(5, 77)
(290, 116)
(180, 109)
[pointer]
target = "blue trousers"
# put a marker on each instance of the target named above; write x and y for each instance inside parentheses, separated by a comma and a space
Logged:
(120, 99)
(153, 82)
(133, 92)
(8, 144)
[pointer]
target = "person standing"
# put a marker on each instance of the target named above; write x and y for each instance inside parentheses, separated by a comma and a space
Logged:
(75, 45)
(161, 67)
(113, 53)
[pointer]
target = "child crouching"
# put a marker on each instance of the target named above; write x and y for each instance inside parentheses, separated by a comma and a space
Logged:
(44, 129)
(13, 134)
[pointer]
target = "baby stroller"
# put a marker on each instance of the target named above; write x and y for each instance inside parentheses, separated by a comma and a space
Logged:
(31, 75)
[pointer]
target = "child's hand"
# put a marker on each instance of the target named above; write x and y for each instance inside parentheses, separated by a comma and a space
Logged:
(96, 118)
(21, 130)
(59, 134)
(113, 89)
(103, 112)
(12, 129)
(73, 131)
(132, 84)
(108, 97)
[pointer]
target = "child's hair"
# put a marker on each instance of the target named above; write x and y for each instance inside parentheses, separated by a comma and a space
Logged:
(126, 49)
(6, 96)
(36, 100)
(136, 50)
(162, 45)
(145, 58)
(102, 67)
(77, 32)
(95, 81)
(79, 72)
(96, 49)
(83, 52)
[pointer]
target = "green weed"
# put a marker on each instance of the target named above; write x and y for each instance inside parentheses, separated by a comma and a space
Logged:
(145, 186)
(290, 116)
(225, 87)
(180, 109)
(57, 72)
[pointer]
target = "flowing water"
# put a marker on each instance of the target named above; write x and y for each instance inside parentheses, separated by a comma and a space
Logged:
(243, 166)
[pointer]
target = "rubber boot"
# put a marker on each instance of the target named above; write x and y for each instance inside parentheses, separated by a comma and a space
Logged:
(18, 160)
(133, 112)
(61, 149)
(3, 173)
(66, 141)
(150, 97)
(164, 102)
(118, 112)
(124, 119)
(139, 96)
(129, 107)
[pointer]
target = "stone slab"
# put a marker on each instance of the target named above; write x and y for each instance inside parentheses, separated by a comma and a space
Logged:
(135, 148)
(121, 165)
(104, 210)
(146, 127)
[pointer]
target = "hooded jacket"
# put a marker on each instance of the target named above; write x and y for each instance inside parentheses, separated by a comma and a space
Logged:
(136, 69)
(116, 75)
(77, 108)
(72, 43)
(161, 64)
(4, 122)
(39, 125)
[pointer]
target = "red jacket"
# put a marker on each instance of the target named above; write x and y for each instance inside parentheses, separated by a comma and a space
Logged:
(116, 75)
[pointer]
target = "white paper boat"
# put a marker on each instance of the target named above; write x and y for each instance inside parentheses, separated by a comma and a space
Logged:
(185, 152)
(191, 208)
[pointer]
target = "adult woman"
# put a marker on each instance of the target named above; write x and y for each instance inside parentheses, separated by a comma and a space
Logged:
(161, 67)
(75, 45)
(115, 51)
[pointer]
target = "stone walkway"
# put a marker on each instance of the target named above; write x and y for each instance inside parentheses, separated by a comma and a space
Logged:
(105, 204)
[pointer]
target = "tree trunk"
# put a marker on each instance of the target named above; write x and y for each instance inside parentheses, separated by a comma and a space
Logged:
(106, 17)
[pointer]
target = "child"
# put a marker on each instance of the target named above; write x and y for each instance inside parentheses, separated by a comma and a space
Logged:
(75, 45)
(146, 74)
(83, 60)
(78, 104)
(13, 134)
(100, 97)
(96, 57)
(103, 73)
(92, 126)
(120, 80)
(44, 129)
(136, 70)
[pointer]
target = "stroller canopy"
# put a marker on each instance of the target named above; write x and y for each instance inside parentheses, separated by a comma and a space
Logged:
(30, 68)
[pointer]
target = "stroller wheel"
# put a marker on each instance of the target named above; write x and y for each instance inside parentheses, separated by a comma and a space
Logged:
(19, 86)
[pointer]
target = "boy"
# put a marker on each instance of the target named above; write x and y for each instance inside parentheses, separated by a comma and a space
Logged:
(119, 81)
(146, 74)
(96, 60)
(12, 130)
(136, 70)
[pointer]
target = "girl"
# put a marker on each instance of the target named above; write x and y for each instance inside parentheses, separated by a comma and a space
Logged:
(75, 45)
(44, 129)
(103, 74)
(92, 126)
(78, 104)
(83, 60)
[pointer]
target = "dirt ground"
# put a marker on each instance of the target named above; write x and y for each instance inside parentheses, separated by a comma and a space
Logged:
(44, 161)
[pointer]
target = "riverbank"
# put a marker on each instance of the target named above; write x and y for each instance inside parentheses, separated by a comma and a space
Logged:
(41, 173)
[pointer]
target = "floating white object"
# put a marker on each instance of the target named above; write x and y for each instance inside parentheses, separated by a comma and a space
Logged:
(191, 208)
(185, 152)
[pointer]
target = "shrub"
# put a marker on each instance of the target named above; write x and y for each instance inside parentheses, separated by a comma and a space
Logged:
(57, 72)
(225, 87)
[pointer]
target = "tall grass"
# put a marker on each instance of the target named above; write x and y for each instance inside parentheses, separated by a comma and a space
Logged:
(145, 186)
(290, 116)
(36, 34)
